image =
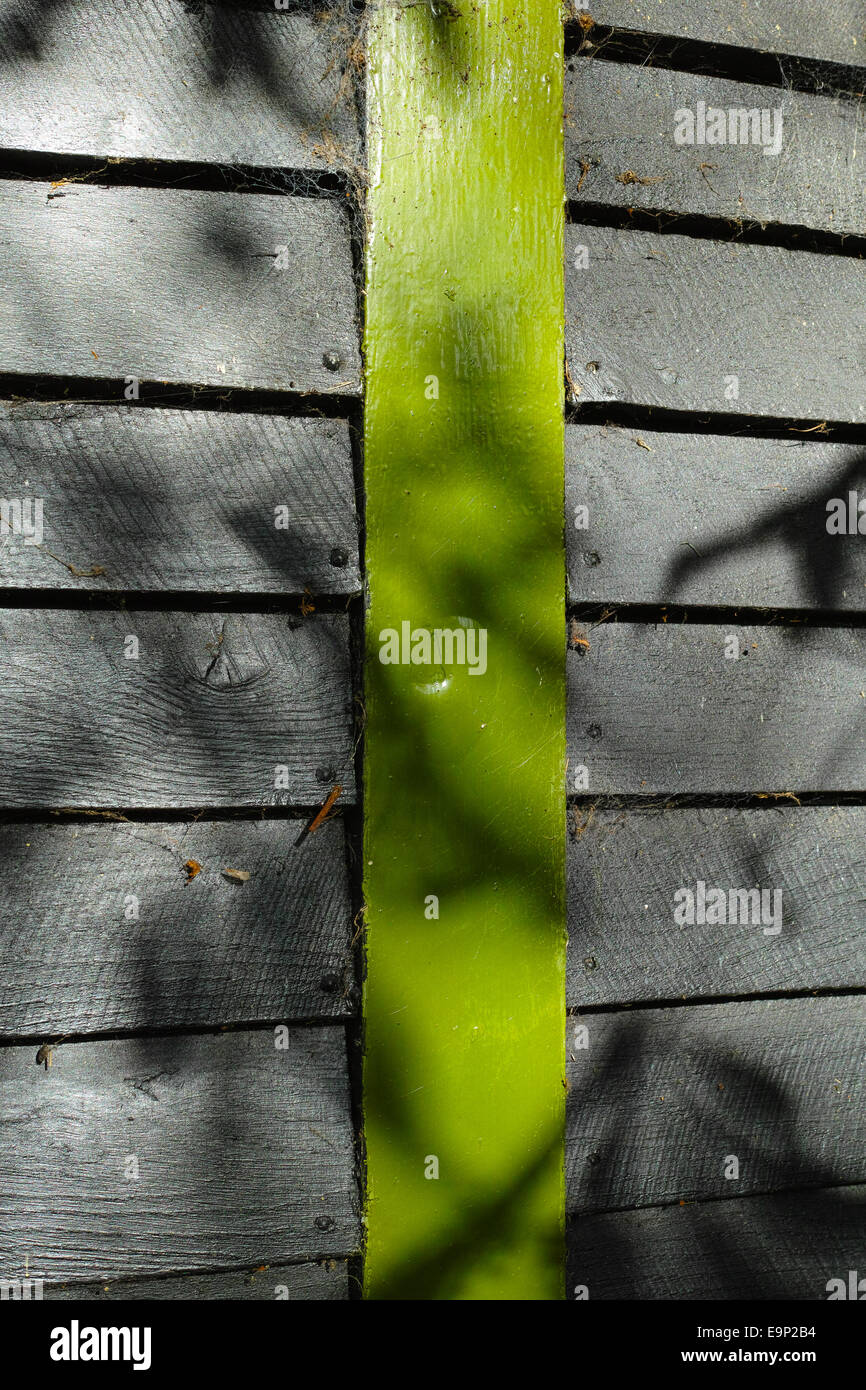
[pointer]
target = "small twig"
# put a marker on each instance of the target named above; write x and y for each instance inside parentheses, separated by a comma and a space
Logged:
(321, 814)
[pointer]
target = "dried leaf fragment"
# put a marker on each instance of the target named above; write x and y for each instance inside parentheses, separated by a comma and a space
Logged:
(629, 176)
(236, 875)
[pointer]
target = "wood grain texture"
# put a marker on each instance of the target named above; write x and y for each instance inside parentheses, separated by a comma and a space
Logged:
(621, 119)
(180, 500)
(176, 286)
(660, 1098)
(784, 1246)
(198, 954)
(709, 519)
(660, 708)
(168, 80)
(624, 869)
(666, 320)
(211, 707)
(245, 1155)
(325, 1282)
(837, 33)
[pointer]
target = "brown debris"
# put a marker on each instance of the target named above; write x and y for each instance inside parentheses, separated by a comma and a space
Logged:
(585, 166)
(629, 176)
(580, 822)
(43, 1056)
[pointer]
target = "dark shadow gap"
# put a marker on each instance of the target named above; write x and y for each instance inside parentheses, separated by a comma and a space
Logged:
(624, 415)
(116, 171)
(812, 75)
(727, 229)
(699, 1000)
(178, 601)
(257, 1025)
(672, 614)
(81, 390)
(658, 802)
(163, 815)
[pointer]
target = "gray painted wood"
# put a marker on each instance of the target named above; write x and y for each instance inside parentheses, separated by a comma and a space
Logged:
(621, 120)
(244, 1151)
(836, 33)
(784, 1246)
(708, 519)
(173, 81)
(176, 286)
(624, 869)
(660, 708)
(666, 320)
(73, 962)
(211, 707)
(180, 500)
(661, 1098)
(325, 1282)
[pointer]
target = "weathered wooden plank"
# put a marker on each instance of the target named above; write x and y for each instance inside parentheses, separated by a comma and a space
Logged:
(621, 148)
(243, 1152)
(179, 500)
(836, 33)
(688, 324)
(177, 286)
(175, 81)
(661, 1101)
(101, 932)
(663, 709)
(324, 1282)
(238, 710)
(785, 1246)
(626, 942)
(707, 519)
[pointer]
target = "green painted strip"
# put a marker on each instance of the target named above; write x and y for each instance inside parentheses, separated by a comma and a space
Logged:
(465, 796)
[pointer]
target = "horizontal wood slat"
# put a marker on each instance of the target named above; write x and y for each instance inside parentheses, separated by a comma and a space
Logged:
(168, 80)
(625, 868)
(244, 1155)
(708, 519)
(102, 932)
(205, 716)
(177, 286)
(836, 33)
(661, 1098)
(179, 500)
(661, 709)
(688, 324)
(621, 148)
(325, 1282)
(785, 1246)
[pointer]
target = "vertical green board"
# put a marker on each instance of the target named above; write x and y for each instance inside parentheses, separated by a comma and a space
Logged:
(464, 835)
